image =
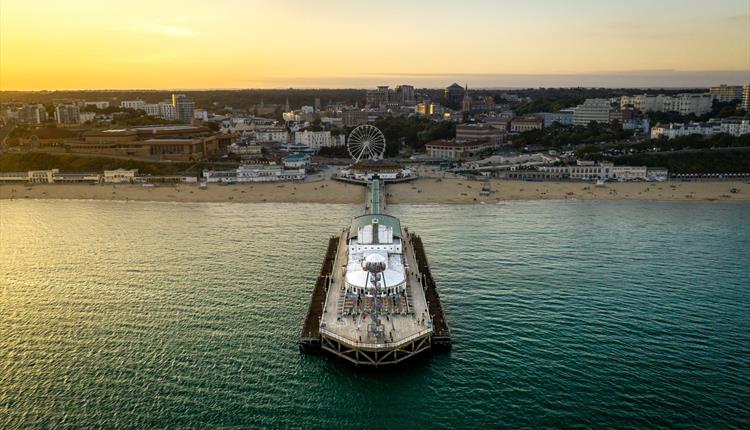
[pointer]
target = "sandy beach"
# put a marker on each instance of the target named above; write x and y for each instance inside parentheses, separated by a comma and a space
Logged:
(421, 191)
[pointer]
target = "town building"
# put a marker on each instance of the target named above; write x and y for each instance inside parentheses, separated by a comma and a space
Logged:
(317, 139)
(200, 114)
(688, 103)
(562, 117)
(428, 108)
(726, 93)
(85, 117)
(353, 118)
(454, 94)
(133, 104)
(453, 149)
(32, 114)
(500, 120)
(592, 110)
(520, 124)
(184, 107)
(405, 95)
(491, 134)
(171, 142)
(736, 126)
(684, 104)
(377, 97)
(271, 135)
(673, 130)
(246, 150)
(745, 98)
(67, 114)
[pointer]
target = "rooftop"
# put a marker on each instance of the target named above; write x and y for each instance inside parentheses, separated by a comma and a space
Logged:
(452, 143)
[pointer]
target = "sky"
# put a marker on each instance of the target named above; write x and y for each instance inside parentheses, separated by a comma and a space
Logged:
(185, 44)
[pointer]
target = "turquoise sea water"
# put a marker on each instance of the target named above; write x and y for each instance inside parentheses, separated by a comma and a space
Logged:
(564, 314)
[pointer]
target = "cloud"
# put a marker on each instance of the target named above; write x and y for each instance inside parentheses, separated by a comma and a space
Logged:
(163, 29)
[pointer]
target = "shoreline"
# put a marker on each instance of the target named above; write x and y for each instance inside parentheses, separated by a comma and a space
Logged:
(420, 191)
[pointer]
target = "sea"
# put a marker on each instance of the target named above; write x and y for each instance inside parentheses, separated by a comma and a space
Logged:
(584, 314)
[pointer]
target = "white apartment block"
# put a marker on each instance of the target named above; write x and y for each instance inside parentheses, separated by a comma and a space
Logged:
(726, 93)
(318, 139)
(67, 114)
(735, 126)
(592, 110)
(133, 104)
(673, 130)
(683, 104)
(271, 135)
(163, 110)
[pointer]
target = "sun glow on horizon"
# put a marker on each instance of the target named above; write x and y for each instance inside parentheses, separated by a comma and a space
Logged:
(334, 43)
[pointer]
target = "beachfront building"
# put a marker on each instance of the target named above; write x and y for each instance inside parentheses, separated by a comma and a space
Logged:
(454, 149)
(367, 170)
(120, 176)
(247, 173)
(297, 160)
(51, 176)
(591, 171)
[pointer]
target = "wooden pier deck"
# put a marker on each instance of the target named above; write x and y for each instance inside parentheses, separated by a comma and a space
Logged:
(421, 327)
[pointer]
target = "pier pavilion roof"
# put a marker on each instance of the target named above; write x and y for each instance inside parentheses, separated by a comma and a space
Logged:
(383, 219)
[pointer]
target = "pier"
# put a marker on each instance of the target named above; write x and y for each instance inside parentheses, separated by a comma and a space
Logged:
(379, 305)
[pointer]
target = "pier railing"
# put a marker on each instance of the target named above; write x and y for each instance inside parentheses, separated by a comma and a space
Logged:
(366, 345)
(310, 337)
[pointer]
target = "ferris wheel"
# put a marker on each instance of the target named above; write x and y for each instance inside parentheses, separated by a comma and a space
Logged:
(366, 142)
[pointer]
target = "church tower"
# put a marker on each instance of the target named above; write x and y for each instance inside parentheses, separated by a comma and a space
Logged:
(466, 102)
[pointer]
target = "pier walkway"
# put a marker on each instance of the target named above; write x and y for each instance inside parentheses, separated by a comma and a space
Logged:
(409, 323)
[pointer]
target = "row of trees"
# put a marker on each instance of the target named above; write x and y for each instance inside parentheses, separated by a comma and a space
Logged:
(558, 136)
(717, 161)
